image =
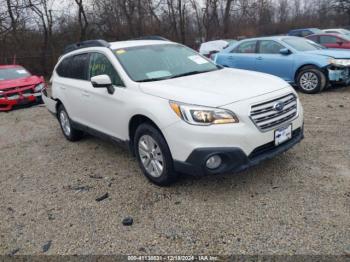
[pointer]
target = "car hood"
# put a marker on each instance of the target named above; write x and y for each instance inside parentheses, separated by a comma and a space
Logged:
(27, 81)
(215, 88)
(334, 53)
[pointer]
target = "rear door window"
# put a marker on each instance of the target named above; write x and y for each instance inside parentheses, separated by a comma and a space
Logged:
(79, 66)
(63, 68)
(75, 67)
(246, 48)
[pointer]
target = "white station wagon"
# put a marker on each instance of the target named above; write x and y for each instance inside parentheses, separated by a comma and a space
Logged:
(177, 111)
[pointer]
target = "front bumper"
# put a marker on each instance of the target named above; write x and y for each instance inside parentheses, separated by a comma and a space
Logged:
(339, 75)
(234, 159)
(6, 103)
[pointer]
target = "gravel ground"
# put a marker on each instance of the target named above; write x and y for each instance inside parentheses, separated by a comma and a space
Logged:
(297, 203)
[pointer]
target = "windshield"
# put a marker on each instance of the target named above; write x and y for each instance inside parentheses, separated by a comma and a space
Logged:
(160, 62)
(13, 73)
(316, 31)
(301, 44)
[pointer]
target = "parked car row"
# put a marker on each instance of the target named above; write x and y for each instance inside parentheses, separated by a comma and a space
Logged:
(304, 32)
(330, 38)
(299, 61)
(180, 112)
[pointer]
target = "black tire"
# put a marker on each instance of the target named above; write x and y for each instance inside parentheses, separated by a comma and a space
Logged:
(73, 134)
(319, 80)
(167, 175)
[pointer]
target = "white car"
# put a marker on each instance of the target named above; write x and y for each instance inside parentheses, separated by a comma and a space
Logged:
(177, 111)
(209, 48)
(337, 31)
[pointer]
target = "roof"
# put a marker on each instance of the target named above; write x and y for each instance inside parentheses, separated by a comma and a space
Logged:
(325, 34)
(132, 43)
(280, 37)
(300, 29)
(9, 66)
(334, 29)
(112, 45)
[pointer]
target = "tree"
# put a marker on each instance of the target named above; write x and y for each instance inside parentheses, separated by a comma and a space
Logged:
(82, 19)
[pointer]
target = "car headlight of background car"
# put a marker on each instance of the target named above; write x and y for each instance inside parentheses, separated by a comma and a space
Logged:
(39, 87)
(340, 62)
(200, 115)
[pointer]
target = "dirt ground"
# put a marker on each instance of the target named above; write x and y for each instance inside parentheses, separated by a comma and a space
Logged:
(296, 203)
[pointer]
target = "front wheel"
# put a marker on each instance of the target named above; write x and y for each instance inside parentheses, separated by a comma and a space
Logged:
(153, 155)
(311, 80)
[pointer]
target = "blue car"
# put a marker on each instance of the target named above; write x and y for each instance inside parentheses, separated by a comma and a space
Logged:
(299, 61)
(305, 32)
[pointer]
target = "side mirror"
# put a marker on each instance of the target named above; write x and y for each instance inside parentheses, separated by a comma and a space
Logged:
(340, 43)
(285, 51)
(103, 81)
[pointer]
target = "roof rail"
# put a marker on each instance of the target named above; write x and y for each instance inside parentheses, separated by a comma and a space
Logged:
(86, 44)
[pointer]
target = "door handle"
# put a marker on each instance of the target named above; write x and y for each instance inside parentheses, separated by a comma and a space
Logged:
(85, 93)
(63, 87)
(259, 58)
(230, 58)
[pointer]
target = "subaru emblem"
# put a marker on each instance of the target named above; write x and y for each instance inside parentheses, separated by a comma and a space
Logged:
(279, 106)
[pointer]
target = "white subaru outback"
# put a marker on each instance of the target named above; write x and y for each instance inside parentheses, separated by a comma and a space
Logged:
(177, 111)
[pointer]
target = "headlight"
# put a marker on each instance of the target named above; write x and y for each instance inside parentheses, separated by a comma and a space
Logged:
(200, 115)
(39, 87)
(340, 62)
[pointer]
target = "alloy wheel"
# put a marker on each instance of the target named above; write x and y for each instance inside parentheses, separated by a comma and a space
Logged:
(151, 155)
(309, 81)
(64, 120)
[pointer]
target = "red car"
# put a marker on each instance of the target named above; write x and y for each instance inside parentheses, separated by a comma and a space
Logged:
(18, 87)
(331, 40)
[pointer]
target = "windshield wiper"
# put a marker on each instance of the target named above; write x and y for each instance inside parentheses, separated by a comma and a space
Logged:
(154, 79)
(191, 73)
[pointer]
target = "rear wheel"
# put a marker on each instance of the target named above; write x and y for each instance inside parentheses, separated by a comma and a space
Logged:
(311, 80)
(153, 155)
(69, 132)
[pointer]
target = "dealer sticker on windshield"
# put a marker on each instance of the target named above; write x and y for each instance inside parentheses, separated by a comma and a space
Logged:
(283, 134)
(198, 59)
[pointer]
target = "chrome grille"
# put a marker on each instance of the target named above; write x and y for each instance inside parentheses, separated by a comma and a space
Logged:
(266, 116)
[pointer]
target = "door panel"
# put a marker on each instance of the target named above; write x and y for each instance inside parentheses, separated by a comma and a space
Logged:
(271, 61)
(102, 111)
(243, 56)
(72, 82)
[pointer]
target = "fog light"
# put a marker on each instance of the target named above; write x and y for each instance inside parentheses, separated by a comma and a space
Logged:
(213, 162)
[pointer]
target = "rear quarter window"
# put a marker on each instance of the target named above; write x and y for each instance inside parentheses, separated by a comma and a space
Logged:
(63, 69)
(75, 67)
